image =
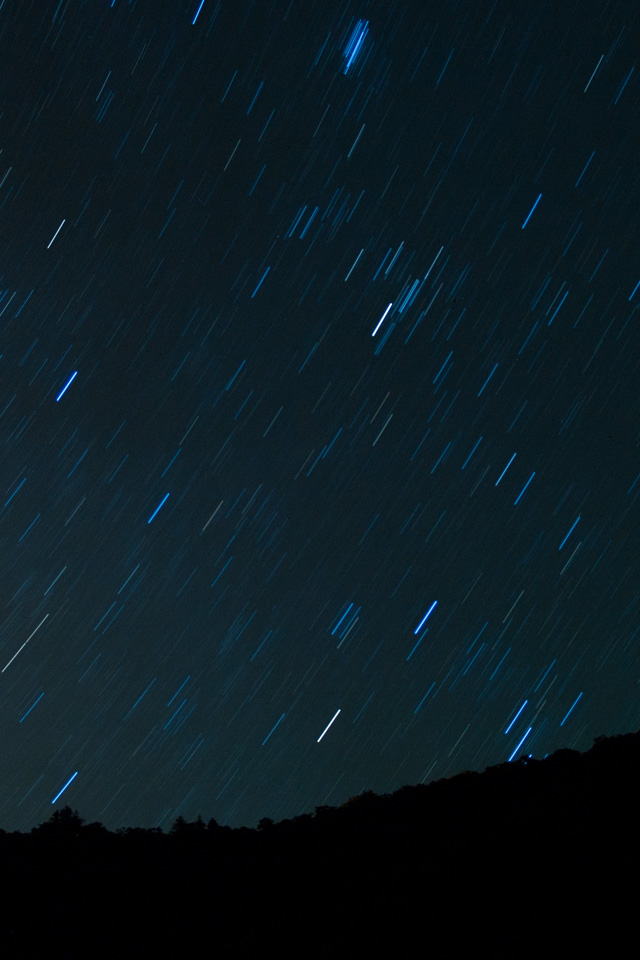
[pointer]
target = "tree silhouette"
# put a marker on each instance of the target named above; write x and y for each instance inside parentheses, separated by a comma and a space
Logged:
(181, 828)
(64, 822)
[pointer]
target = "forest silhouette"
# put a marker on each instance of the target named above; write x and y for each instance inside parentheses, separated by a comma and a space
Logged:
(529, 858)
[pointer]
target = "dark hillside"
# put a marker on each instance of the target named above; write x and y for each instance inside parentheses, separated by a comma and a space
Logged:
(528, 858)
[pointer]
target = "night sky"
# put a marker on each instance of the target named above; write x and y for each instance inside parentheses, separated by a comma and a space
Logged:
(319, 398)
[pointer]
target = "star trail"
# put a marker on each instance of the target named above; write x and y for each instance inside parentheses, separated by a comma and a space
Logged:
(319, 398)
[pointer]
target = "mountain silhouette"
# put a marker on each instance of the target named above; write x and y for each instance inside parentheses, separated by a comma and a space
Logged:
(529, 858)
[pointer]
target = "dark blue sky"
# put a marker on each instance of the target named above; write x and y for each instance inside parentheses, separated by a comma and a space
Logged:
(315, 319)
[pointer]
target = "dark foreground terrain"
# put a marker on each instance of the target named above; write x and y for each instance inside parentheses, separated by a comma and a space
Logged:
(531, 858)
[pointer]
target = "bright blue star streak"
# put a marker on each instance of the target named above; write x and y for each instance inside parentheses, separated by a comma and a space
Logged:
(198, 13)
(71, 378)
(505, 470)
(623, 85)
(355, 51)
(593, 153)
(516, 716)
(260, 283)
(177, 691)
(531, 211)
(495, 367)
(65, 787)
(520, 744)
(341, 619)
(164, 499)
(574, 703)
(515, 503)
(32, 706)
(568, 535)
(418, 628)
(14, 493)
(355, 42)
(471, 454)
